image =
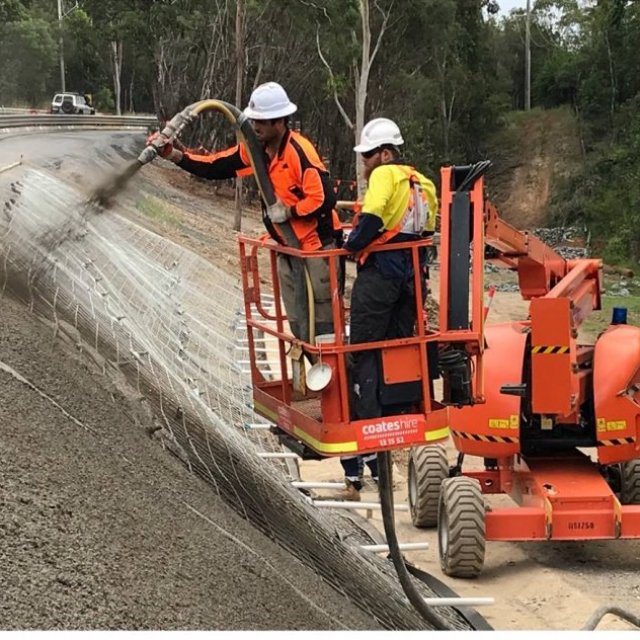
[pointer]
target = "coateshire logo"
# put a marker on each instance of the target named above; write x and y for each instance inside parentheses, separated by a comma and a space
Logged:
(389, 426)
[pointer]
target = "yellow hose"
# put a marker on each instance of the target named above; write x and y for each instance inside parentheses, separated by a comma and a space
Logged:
(310, 305)
(238, 120)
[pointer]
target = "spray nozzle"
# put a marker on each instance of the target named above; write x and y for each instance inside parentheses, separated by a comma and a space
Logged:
(148, 154)
(171, 131)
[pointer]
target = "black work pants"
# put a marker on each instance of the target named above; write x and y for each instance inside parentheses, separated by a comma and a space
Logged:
(381, 308)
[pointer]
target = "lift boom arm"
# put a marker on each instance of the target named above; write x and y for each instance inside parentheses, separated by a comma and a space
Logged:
(562, 294)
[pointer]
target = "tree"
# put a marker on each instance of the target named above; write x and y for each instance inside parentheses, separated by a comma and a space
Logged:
(27, 58)
(368, 45)
(240, 62)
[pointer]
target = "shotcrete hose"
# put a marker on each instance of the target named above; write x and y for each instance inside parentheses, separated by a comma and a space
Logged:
(304, 292)
(181, 120)
(385, 486)
(599, 613)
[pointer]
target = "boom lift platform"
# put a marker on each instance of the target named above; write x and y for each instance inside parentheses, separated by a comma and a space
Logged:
(548, 398)
(315, 417)
(318, 423)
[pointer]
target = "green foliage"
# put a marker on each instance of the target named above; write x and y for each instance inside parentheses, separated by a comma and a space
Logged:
(27, 58)
(11, 11)
(103, 100)
(157, 210)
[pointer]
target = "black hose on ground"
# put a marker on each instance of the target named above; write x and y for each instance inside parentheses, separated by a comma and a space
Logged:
(601, 612)
(475, 620)
(385, 487)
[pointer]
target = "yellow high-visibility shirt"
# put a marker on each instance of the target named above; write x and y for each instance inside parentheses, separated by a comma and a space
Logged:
(388, 194)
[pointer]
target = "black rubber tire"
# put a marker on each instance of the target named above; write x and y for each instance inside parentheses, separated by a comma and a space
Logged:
(428, 467)
(630, 482)
(461, 527)
(67, 107)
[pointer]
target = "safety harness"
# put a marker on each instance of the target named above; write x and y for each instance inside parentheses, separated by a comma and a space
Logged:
(413, 219)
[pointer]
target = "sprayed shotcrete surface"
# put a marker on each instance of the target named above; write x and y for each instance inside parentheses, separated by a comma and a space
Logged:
(99, 526)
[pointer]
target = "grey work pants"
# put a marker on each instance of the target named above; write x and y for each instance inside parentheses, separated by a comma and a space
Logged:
(318, 269)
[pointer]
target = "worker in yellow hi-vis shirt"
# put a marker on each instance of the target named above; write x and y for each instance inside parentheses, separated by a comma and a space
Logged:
(399, 206)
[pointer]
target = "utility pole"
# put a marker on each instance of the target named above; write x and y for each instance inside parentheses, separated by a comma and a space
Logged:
(527, 59)
(61, 46)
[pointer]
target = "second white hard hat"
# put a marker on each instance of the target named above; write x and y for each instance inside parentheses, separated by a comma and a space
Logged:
(269, 101)
(377, 132)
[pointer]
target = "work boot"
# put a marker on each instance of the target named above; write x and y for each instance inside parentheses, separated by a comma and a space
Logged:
(350, 493)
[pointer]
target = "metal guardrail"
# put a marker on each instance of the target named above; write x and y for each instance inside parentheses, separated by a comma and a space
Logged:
(19, 110)
(15, 121)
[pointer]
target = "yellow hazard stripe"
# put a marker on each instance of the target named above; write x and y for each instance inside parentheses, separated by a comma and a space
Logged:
(547, 349)
(267, 413)
(325, 447)
(615, 442)
(322, 447)
(482, 438)
(438, 434)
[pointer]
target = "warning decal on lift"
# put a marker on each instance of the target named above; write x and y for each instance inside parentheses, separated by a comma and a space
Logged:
(512, 422)
(611, 425)
(549, 349)
(479, 438)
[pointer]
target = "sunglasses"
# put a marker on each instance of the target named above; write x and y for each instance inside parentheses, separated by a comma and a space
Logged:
(369, 154)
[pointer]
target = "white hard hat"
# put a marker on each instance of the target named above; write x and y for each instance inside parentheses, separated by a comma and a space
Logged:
(377, 132)
(268, 102)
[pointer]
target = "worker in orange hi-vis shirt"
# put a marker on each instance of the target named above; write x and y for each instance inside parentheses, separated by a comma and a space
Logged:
(305, 197)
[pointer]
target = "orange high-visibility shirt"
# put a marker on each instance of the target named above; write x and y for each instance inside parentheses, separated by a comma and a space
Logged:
(299, 178)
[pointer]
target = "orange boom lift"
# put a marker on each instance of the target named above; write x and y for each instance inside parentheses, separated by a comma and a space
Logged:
(311, 409)
(558, 431)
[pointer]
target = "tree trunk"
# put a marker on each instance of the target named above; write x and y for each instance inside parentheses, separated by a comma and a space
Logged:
(612, 78)
(445, 112)
(362, 88)
(158, 85)
(361, 77)
(527, 59)
(132, 108)
(116, 59)
(237, 220)
(634, 250)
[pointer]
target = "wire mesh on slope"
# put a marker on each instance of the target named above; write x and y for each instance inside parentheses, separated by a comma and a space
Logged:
(168, 320)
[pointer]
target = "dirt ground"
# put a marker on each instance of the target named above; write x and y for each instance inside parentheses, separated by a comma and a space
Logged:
(101, 528)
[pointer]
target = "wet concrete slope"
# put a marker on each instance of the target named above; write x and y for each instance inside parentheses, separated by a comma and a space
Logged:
(99, 526)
